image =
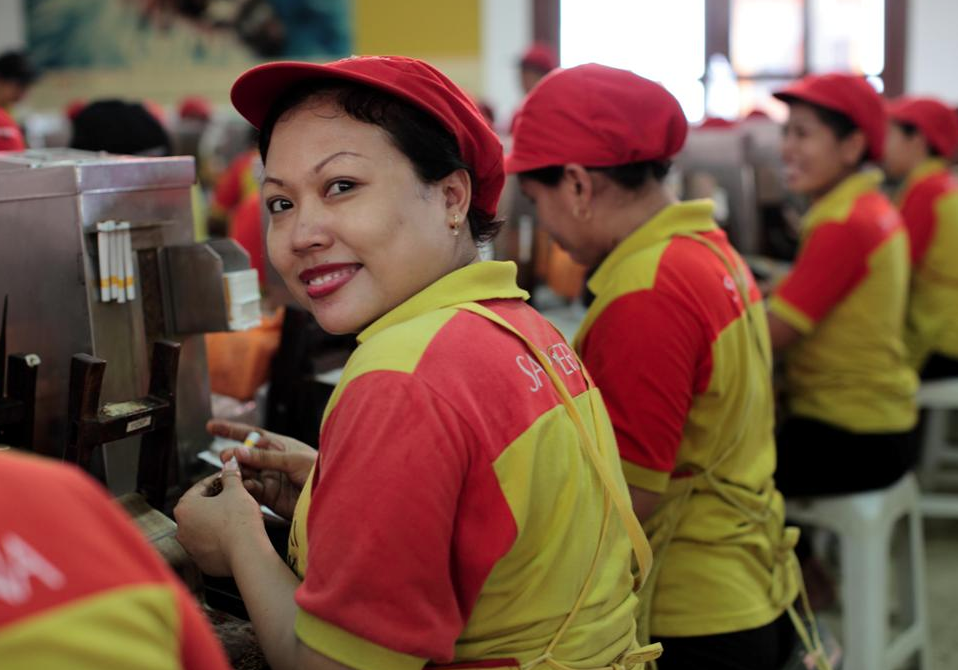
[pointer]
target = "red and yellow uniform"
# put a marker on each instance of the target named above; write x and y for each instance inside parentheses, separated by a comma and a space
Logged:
(11, 139)
(454, 516)
(929, 205)
(847, 295)
(80, 588)
(684, 370)
(235, 185)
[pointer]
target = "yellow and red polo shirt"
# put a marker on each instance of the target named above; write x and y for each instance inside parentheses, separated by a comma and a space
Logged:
(11, 139)
(847, 295)
(685, 375)
(929, 205)
(454, 515)
(236, 184)
(79, 586)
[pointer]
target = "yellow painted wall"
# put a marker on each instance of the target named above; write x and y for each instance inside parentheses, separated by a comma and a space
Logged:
(420, 28)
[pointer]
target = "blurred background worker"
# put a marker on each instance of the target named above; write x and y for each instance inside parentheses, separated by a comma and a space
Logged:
(922, 137)
(677, 343)
(81, 588)
(838, 317)
(538, 61)
(16, 76)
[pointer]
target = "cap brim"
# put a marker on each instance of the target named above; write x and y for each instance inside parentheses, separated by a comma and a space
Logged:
(516, 164)
(254, 93)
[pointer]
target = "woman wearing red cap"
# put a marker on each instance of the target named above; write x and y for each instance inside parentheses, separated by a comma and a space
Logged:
(677, 342)
(467, 508)
(922, 136)
(838, 316)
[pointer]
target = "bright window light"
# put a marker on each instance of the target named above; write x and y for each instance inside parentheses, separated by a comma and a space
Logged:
(663, 41)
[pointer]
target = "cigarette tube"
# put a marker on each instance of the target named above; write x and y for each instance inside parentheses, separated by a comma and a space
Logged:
(103, 253)
(111, 245)
(128, 260)
(252, 439)
(119, 262)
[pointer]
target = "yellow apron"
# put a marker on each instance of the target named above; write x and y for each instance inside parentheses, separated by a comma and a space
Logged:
(754, 510)
(635, 657)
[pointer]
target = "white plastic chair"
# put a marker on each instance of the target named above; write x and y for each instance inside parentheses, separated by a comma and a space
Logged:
(864, 523)
(939, 457)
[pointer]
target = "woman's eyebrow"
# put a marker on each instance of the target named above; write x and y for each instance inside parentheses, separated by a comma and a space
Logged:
(316, 168)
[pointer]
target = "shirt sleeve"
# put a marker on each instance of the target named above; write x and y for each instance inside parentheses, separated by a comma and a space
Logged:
(648, 356)
(379, 588)
(832, 263)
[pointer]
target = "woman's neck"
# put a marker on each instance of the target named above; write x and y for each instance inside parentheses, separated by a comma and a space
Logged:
(626, 216)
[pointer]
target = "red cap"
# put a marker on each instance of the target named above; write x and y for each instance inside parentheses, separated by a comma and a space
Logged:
(848, 94)
(74, 107)
(195, 107)
(717, 123)
(411, 80)
(540, 56)
(597, 116)
(937, 122)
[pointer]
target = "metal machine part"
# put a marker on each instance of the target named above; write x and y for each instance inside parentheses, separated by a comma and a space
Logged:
(50, 203)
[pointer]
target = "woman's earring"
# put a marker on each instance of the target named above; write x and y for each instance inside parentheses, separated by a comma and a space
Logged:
(454, 226)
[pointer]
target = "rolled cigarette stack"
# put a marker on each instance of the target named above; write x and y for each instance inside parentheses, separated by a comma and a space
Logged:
(126, 242)
(103, 240)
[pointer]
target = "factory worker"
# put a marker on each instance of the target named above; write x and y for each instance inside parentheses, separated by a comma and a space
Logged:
(677, 342)
(838, 317)
(467, 507)
(922, 137)
(80, 587)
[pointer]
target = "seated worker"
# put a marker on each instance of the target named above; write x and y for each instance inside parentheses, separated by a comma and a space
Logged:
(677, 343)
(467, 507)
(81, 588)
(922, 136)
(233, 187)
(838, 316)
(119, 127)
(16, 76)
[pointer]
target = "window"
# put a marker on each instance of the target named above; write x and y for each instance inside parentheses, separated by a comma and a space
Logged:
(755, 46)
(662, 41)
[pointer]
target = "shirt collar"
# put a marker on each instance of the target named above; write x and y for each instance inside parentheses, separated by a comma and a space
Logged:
(837, 202)
(478, 281)
(927, 167)
(693, 216)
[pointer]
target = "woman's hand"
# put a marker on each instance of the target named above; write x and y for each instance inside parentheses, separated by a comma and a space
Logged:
(275, 471)
(211, 527)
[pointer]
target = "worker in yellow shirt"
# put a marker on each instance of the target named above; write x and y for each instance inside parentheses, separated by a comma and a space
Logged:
(838, 317)
(677, 342)
(922, 136)
(467, 508)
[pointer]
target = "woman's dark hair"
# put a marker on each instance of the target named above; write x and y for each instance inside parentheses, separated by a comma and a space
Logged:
(909, 130)
(120, 128)
(432, 150)
(630, 176)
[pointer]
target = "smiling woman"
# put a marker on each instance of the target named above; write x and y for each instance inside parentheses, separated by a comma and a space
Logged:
(464, 443)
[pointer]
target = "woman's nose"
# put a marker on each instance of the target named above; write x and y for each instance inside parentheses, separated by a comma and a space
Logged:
(312, 230)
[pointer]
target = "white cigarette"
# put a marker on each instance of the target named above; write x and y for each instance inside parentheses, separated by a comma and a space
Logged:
(128, 260)
(103, 252)
(118, 276)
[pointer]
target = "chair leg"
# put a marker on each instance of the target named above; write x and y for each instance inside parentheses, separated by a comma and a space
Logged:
(864, 599)
(919, 587)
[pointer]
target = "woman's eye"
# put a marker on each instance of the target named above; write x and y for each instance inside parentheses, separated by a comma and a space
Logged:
(339, 187)
(277, 205)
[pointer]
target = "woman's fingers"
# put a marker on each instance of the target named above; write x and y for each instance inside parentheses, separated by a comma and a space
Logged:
(232, 430)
